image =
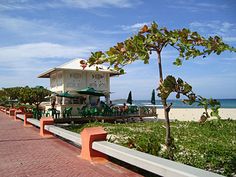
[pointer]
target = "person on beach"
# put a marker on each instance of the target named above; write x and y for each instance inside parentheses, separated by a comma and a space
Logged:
(124, 108)
(111, 104)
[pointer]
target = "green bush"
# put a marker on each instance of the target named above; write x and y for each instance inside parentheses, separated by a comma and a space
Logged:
(210, 146)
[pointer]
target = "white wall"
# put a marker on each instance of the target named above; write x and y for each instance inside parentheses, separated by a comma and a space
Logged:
(56, 81)
(98, 81)
(76, 80)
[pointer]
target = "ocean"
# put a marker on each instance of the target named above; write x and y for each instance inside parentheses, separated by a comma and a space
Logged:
(225, 103)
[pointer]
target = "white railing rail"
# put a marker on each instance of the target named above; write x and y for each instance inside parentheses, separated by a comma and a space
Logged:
(61, 132)
(156, 165)
(73, 137)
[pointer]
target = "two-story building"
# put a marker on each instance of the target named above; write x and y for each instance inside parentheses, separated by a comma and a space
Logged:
(77, 75)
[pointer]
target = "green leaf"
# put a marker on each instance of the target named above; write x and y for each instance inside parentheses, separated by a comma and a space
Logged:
(122, 71)
(177, 62)
(180, 81)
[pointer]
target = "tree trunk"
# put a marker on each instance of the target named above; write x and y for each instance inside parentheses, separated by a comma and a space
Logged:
(168, 140)
(37, 107)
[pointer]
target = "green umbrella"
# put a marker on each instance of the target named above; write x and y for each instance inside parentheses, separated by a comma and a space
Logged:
(90, 91)
(12, 102)
(66, 94)
(153, 100)
(129, 99)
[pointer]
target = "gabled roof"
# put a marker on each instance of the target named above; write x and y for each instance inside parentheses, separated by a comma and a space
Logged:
(77, 66)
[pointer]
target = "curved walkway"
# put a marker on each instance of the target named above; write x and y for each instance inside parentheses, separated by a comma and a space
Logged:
(23, 152)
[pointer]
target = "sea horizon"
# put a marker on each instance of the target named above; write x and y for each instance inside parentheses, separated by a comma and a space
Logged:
(225, 103)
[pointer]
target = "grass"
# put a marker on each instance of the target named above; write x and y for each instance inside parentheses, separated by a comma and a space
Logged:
(210, 146)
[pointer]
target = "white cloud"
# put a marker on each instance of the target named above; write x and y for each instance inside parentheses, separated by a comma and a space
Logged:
(35, 56)
(135, 27)
(229, 58)
(224, 29)
(42, 50)
(83, 4)
(37, 29)
(214, 27)
(229, 39)
(21, 64)
(121, 29)
(196, 6)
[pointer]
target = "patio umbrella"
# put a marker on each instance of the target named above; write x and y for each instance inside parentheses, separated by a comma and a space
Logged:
(12, 102)
(129, 99)
(153, 100)
(66, 94)
(90, 91)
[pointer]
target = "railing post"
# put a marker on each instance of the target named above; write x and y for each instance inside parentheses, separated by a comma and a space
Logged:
(45, 121)
(12, 112)
(88, 136)
(26, 116)
(7, 109)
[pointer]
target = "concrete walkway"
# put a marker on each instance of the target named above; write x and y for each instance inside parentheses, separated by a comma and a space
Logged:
(24, 153)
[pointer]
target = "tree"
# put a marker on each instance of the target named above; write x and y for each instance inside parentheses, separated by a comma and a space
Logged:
(26, 96)
(154, 39)
(38, 95)
(12, 94)
(3, 98)
(30, 95)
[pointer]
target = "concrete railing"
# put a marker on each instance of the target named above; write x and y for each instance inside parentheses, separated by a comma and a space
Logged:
(61, 132)
(156, 165)
(34, 122)
(20, 116)
(71, 136)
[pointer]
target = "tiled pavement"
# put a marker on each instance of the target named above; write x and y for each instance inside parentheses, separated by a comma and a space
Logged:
(23, 153)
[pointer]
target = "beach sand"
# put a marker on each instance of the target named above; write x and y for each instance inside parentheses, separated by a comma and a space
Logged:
(194, 114)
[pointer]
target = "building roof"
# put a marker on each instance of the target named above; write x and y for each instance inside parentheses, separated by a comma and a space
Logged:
(76, 65)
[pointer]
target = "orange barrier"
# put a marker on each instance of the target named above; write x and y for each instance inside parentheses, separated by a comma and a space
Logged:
(26, 116)
(12, 112)
(45, 121)
(6, 110)
(2, 109)
(88, 136)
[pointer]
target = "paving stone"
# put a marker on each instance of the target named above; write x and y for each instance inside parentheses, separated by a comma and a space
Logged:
(23, 152)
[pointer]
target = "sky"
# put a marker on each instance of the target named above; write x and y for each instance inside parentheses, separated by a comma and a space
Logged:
(38, 35)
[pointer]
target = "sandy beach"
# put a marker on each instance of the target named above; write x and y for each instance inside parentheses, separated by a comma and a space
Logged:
(188, 114)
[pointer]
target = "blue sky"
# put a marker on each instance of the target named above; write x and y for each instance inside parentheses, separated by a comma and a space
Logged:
(38, 35)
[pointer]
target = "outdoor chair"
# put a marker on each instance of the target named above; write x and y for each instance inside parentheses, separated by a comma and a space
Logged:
(22, 109)
(79, 111)
(67, 112)
(94, 111)
(132, 110)
(116, 111)
(52, 111)
(37, 114)
(46, 113)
